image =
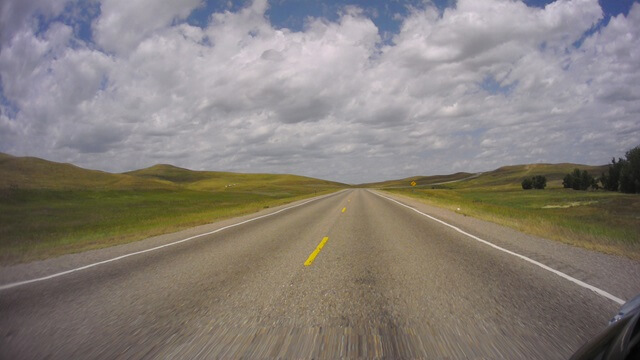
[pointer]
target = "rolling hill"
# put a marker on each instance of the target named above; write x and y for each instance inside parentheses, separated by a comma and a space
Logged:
(36, 173)
(503, 177)
(421, 181)
(221, 181)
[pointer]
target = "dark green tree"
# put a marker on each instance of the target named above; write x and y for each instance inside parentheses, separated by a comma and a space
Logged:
(539, 182)
(576, 184)
(611, 180)
(567, 182)
(586, 180)
(527, 184)
(630, 172)
(579, 180)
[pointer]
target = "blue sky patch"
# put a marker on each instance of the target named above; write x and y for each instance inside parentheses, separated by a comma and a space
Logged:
(493, 87)
(292, 14)
(10, 109)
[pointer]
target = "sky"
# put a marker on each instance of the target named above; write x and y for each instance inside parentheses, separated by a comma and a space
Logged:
(353, 91)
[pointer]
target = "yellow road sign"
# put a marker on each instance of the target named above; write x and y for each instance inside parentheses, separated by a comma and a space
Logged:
(413, 183)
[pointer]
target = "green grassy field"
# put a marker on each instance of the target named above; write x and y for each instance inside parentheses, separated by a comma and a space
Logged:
(48, 209)
(599, 220)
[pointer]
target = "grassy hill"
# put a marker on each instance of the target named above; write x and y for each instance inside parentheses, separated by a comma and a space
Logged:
(512, 176)
(35, 173)
(170, 173)
(421, 181)
(600, 220)
(48, 208)
(503, 177)
(228, 181)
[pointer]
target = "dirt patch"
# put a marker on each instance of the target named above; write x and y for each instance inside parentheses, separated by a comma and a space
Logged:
(568, 205)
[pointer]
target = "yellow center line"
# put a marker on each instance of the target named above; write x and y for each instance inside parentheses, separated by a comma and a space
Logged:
(344, 209)
(316, 251)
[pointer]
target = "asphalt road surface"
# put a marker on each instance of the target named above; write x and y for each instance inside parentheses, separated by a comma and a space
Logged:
(389, 282)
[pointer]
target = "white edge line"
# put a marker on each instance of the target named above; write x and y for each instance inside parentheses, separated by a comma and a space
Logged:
(25, 282)
(559, 273)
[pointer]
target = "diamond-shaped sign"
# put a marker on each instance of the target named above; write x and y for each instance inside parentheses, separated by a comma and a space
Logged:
(413, 183)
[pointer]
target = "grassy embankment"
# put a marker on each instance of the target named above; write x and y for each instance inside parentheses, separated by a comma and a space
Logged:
(599, 220)
(49, 209)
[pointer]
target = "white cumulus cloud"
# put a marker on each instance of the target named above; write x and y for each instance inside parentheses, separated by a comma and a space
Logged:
(479, 85)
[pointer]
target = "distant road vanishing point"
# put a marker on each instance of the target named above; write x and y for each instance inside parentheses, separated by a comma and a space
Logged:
(358, 273)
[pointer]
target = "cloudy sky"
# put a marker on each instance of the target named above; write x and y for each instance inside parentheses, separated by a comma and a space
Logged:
(354, 91)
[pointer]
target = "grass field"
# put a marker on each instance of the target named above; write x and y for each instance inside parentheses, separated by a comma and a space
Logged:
(48, 209)
(599, 220)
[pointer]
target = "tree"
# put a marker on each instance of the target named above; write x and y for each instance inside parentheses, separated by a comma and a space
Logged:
(577, 184)
(579, 180)
(586, 181)
(539, 182)
(527, 184)
(611, 180)
(630, 172)
(567, 182)
(624, 175)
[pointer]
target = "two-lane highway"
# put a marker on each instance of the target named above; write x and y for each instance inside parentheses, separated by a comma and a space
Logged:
(353, 274)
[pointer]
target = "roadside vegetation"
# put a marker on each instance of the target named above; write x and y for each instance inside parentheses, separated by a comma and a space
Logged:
(537, 182)
(623, 175)
(49, 209)
(600, 220)
(580, 180)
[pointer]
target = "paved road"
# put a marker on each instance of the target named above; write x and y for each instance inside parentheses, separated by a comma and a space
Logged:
(388, 282)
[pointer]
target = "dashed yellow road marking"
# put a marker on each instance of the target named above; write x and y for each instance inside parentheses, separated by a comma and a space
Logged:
(316, 251)
(344, 209)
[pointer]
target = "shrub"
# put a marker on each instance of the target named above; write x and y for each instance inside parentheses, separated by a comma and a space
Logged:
(539, 182)
(527, 184)
(579, 180)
